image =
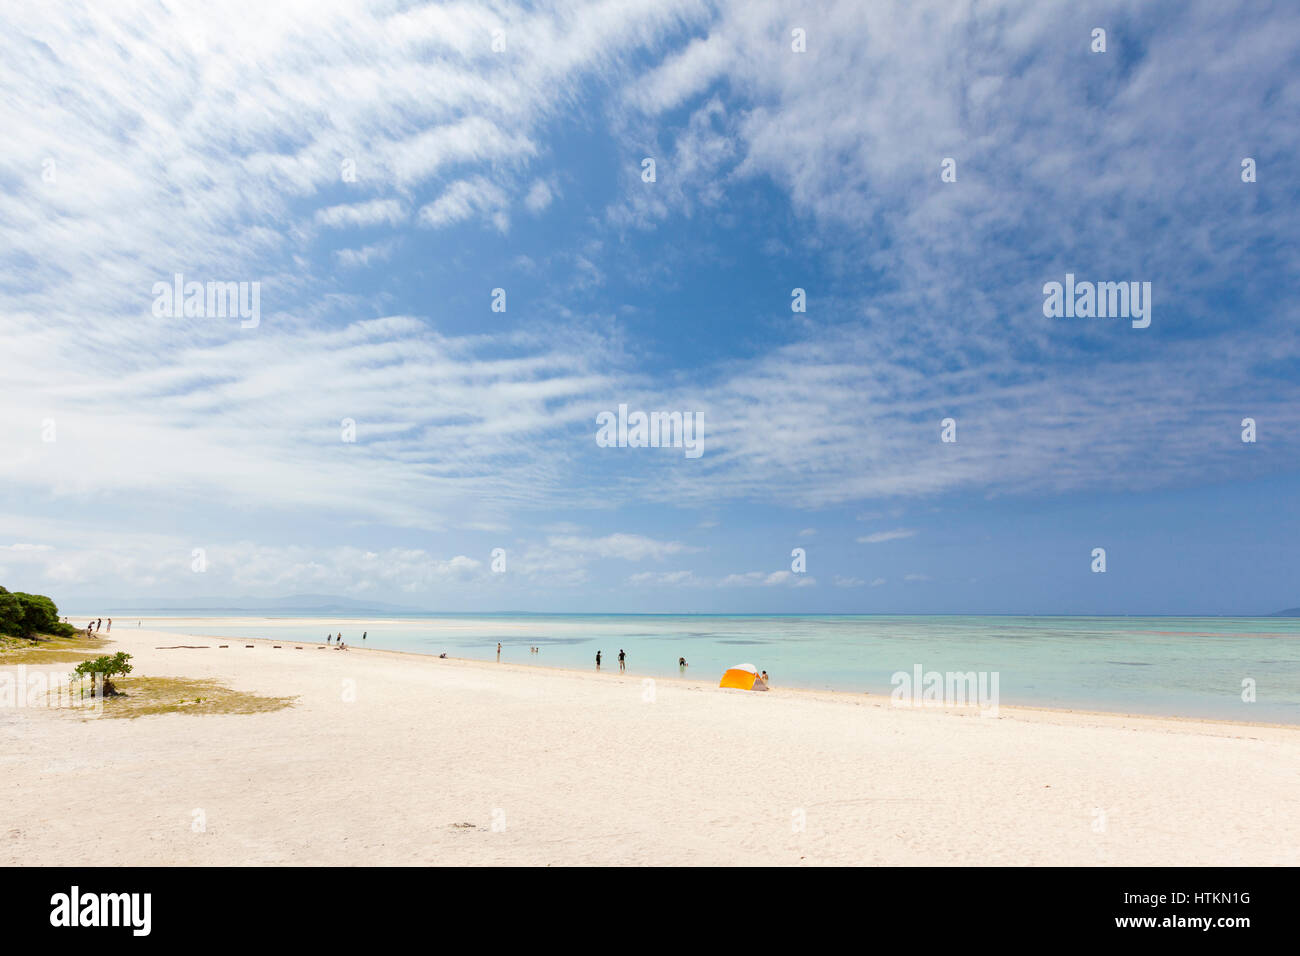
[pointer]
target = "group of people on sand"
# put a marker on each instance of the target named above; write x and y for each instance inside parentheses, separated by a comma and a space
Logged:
(94, 626)
(338, 644)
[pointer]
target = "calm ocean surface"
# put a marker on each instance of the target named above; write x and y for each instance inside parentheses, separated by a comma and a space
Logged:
(1161, 665)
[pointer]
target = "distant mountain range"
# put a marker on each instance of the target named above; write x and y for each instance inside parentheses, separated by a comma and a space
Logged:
(1289, 612)
(324, 603)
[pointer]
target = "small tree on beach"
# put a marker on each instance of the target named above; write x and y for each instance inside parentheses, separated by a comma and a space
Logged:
(105, 668)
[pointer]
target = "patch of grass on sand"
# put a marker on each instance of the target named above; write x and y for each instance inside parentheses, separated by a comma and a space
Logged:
(142, 696)
(49, 650)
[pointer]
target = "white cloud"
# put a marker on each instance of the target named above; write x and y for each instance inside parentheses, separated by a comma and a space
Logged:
(439, 423)
(163, 565)
(364, 256)
(627, 547)
(539, 196)
(767, 579)
(882, 536)
(467, 198)
(362, 214)
(471, 140)
(664, 579)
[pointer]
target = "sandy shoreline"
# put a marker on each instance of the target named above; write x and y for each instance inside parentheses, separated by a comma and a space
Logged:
(386, 754)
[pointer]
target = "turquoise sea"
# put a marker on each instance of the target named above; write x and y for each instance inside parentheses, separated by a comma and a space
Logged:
(1158, 665)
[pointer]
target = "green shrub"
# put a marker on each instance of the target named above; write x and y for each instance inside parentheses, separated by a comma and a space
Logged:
(11, 613)
(106, 668)
(25, 615)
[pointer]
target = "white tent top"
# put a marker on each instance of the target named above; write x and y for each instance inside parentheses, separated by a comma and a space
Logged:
(745, 667)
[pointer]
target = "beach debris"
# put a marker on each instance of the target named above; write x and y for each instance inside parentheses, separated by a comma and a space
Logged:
(462, 826)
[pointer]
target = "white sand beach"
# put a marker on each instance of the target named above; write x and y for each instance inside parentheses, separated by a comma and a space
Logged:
(555, 767)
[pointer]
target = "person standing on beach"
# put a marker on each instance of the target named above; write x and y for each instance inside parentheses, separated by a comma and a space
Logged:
(622, 666)
(363, 634)
(98, 625)
(110, 626)
(598, 660)
(498, 651)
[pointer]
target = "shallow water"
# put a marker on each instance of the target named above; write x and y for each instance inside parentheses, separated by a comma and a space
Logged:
(1176, 666)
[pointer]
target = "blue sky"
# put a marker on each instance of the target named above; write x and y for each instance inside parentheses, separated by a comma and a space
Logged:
(213, 140)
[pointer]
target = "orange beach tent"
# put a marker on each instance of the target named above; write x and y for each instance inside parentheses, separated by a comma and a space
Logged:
(744, 677)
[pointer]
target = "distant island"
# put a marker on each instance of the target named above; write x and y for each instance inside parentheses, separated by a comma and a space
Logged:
(1289, 612)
